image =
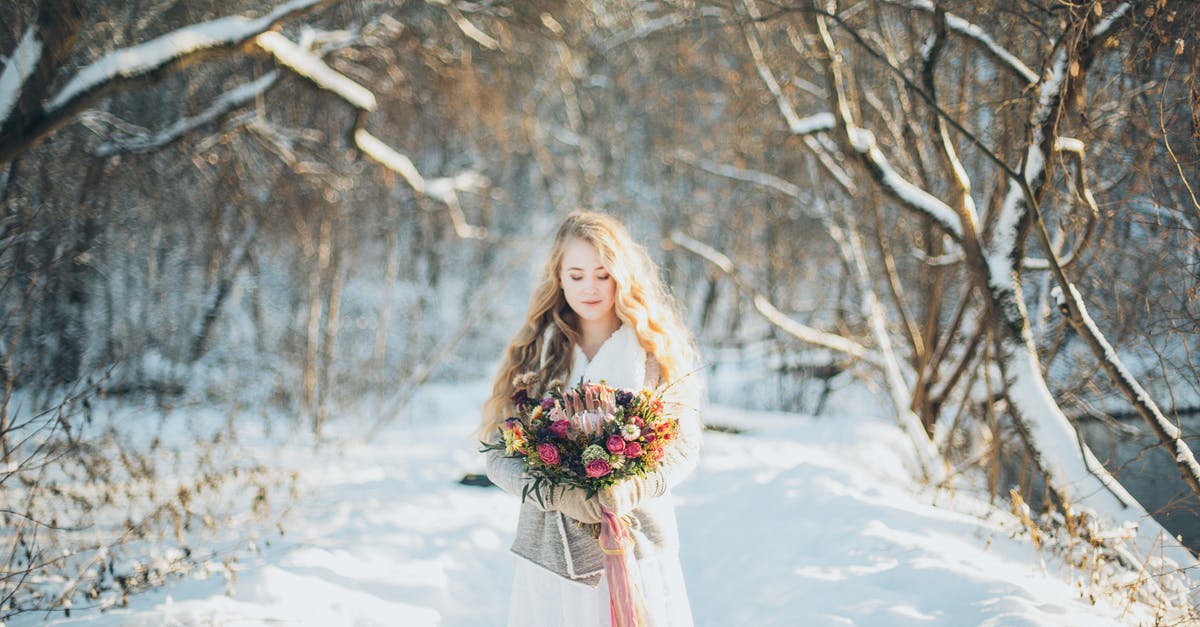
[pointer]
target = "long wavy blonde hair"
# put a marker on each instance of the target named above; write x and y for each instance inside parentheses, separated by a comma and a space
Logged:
(552, 328)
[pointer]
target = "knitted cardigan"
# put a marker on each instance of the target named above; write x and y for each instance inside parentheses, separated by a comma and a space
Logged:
(553, 540)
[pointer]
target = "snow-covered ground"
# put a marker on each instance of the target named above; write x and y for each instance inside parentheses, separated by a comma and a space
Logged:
(797, 521)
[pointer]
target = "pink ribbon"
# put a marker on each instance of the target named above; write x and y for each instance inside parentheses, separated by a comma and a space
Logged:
(625, 601)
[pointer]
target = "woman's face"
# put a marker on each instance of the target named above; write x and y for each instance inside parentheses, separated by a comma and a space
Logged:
(587, 285)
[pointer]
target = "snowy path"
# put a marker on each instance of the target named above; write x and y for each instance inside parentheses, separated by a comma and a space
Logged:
(800, 521)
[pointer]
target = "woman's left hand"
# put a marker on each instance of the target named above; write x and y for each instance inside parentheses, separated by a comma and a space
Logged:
(623, 497)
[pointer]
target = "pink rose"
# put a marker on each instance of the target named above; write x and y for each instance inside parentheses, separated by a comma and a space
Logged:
(598, 468)
(559, 428)
(615, 444)
(549, 453)
(633, 450)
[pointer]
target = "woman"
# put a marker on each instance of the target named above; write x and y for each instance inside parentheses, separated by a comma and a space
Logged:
(600, 313)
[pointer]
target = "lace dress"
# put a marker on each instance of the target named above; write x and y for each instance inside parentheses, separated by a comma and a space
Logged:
(541, 598)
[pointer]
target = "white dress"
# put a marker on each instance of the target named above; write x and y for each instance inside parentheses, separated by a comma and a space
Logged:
(541, 598)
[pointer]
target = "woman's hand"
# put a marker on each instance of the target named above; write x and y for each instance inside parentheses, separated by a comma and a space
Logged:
(623, 497)
(573, 503)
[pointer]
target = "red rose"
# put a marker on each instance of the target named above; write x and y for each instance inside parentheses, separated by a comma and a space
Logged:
(549, 453)
(615, 444)
(633, 450)
(598, 468)
(559, 428)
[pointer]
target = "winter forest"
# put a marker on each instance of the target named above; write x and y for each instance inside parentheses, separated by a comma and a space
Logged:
(259, 260)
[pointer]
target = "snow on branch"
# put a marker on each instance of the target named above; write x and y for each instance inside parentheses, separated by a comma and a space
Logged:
(801, 127)
(806, 126)
(757, 177)
(311, 66)
(17, 68)
(908, 194)
(661, 23)
(1083, 191)
(144, 58)
(974, 32)
(468, 29)
(1102, 27)
(768, 311)
(141, 63)
(224, 103)
(444, 189)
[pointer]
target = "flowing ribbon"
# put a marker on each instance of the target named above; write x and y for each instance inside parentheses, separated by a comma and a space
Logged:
(625, 600)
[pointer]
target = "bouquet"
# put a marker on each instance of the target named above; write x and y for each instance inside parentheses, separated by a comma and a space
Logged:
(589, 437)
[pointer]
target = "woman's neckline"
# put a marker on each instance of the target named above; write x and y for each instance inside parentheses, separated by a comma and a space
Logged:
(589, 360)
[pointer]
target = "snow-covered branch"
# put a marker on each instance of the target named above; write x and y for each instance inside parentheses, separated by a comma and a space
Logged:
(1169, 435)
(1083, 191)
(311, 66)
(805, 127)
(756, 177)
(443, 189)
(658, 24)
(802, 332)
(145, 61)
(469, 29)
(973, 32)
(144, 58)
(223, 104)
(899, 188)
(17, 68)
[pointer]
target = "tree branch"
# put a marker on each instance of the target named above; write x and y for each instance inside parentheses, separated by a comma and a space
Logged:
(768, 311)
(976, 34)
(144, 62)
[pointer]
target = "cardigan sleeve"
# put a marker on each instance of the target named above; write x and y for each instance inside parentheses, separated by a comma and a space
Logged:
(508, 473)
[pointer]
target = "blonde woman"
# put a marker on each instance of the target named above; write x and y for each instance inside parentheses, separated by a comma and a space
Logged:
(599, 313)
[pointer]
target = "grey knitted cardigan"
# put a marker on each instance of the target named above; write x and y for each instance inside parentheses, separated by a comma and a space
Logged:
(555, 541)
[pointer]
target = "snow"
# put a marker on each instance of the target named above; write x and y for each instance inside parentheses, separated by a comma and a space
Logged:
(1012, 208)
(960, 25)
(145, 57)
(17, 68)
(311, 66)
(814, 123)
(863, 142)
(963, 27)
(1102, 27)
(798, 520)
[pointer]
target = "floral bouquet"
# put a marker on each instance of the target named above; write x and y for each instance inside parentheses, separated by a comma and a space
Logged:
(590, 437)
